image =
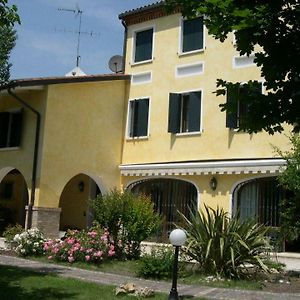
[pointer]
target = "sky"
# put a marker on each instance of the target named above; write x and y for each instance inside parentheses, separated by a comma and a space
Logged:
(47, 40)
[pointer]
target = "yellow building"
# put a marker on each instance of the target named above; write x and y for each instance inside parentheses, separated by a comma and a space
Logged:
(157, 130)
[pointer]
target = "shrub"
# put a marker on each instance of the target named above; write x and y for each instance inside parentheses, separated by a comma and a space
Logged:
(29, 242)
(129, 218)
(158, 264)
(223, 246)
(85, 246)
(11, 230)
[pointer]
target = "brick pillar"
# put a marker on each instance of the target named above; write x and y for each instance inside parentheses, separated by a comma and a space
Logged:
(46, 219)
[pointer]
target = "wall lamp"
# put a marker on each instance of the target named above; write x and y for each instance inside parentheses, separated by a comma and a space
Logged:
(213, 183)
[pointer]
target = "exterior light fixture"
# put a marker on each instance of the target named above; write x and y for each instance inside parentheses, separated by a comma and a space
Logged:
(177, 239)
(213, 183)
(81, 186)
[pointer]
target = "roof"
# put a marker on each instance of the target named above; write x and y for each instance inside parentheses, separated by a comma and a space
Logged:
(140, 9)
(27, 82)
(146, 13)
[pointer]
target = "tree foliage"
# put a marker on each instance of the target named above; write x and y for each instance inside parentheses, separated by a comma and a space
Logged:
(7, 42)
(290, 180)
(271, 30)
(8, 15)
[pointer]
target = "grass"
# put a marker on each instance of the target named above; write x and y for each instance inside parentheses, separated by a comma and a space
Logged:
(20, 284)
(130, 268)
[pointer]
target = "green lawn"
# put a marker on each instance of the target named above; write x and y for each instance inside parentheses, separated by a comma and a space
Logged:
(19, 284)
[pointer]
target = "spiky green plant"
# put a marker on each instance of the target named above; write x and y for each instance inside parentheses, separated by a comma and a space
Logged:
(224, 246)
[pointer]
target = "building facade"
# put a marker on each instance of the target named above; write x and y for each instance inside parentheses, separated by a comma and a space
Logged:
(156, 130)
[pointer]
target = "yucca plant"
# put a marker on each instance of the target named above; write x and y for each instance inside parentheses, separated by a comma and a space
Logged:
(224, 246)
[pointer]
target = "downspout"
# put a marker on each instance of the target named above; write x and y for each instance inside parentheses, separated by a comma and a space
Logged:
(35, 157)
(124, 44)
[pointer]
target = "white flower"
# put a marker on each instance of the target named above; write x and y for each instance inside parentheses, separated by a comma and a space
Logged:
(17, 238)
(23, 251)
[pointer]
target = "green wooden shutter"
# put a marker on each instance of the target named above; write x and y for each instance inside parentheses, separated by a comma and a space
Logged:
(194, 112)
(143, 45)
(4, 122)
(174, 113)
(132, 113)
(142, 117)
(192, 34)
(231, 116)
(16, 129)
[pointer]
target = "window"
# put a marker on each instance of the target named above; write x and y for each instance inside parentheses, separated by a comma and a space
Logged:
(184, 112)
(192, 35)
(138, 118)
(237, 96)
(10, 129)
(259, 199)
(143, 45)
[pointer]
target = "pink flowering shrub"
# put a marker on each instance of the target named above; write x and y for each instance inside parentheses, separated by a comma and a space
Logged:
(92, 246)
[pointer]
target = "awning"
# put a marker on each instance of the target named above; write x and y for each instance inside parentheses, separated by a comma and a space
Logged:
(253, 166)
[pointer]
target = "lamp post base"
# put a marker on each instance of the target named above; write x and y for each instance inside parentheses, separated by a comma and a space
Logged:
(173, 295)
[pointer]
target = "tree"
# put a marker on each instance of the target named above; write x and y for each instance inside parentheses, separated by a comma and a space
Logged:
(271, 30)
(7, 42)
(290, 180)
(8, 15)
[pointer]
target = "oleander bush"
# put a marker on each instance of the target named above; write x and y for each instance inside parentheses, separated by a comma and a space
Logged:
(29, 242)
(11, 230)
(129, 218)
(225, 246)
(92, 246)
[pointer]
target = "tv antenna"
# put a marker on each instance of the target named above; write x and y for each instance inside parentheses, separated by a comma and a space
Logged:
(78, 13)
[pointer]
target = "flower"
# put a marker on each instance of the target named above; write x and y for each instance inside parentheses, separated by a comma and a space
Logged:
(70, 259)
(87, 258)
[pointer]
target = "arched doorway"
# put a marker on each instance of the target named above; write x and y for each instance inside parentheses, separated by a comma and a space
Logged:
(13, 199)
(169, 196)
(75, 213)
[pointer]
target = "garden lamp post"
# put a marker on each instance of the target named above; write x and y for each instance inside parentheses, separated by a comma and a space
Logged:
(177, 239)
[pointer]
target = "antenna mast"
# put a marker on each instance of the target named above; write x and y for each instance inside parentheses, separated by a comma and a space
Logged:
(78, 12)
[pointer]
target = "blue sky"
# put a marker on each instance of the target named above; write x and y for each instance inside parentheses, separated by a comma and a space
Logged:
(43, 49)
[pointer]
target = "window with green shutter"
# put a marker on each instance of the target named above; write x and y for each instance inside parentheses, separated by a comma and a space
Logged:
(184, 112)
(138, 117)
(143, 45)
(192, 35)
(10, 129)
(237, 100)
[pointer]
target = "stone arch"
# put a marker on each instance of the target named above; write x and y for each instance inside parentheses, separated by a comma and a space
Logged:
(168, 195)
(75, 213)
(13, 197)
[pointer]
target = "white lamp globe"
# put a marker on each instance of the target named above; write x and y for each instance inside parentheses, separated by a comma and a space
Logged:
(177, 237)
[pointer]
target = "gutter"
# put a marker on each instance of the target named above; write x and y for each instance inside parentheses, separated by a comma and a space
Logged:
(35, 157)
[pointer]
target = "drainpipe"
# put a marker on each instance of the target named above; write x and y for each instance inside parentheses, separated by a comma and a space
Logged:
(124, 44)
(35, 157)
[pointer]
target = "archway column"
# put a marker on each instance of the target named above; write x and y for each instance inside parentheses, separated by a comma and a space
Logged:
(46, 219)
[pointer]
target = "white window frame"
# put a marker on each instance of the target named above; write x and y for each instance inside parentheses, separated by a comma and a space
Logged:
(201, 113)
(134, 45)
(128, 137)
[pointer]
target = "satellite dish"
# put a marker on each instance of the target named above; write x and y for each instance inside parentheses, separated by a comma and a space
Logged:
(115, 64)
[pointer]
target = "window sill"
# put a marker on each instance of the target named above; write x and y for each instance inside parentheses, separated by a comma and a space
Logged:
(189, 133)
(137, 138)
(10, 149)
(144, 62)
(180, 54)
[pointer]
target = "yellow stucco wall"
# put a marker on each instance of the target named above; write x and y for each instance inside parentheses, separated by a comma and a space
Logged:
(21, 158)
(83, 135)
(215, 140)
